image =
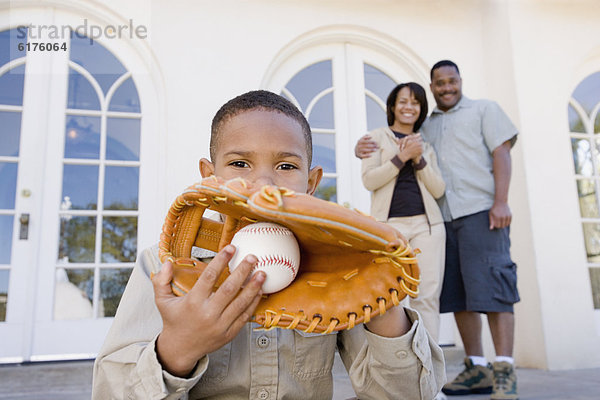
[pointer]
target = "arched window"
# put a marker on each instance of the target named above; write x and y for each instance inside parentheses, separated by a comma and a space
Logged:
(312, 91)
(78, 178)
(100, 185)
(584, 127)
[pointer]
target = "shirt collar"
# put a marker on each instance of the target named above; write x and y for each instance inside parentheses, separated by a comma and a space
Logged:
(464, 102)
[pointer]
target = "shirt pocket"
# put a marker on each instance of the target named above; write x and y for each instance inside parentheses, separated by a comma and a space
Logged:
(218, 365)
(313, 354)
(470, 135)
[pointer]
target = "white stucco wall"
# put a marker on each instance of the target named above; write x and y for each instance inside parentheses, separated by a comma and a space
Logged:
(528, 55)
(551, 42)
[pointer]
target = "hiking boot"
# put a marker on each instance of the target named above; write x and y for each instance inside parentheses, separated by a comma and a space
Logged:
(475, 379)
(505, 382)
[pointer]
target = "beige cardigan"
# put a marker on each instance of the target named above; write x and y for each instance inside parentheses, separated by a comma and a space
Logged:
(379, 176)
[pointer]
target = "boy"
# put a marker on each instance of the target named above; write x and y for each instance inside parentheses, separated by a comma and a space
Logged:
(202, 346)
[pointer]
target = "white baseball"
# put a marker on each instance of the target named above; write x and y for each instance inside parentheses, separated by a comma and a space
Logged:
(276, 249)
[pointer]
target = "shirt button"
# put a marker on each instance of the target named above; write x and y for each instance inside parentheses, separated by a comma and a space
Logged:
(263, 341)
(401, 354)
(263, 394)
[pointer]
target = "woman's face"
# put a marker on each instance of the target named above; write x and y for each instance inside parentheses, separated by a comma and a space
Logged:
(407, 108)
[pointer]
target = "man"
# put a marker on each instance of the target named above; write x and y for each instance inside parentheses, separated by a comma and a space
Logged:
(473, 139)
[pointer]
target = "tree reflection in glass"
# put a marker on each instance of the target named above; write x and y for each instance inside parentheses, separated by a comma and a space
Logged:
(119, 239)
(112, 286)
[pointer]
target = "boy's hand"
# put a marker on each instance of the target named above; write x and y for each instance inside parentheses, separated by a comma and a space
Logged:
(202, 321)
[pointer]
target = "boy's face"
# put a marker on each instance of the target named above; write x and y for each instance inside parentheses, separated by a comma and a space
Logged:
(264, 147)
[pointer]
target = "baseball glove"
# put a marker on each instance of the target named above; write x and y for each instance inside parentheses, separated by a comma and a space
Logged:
(352, 267)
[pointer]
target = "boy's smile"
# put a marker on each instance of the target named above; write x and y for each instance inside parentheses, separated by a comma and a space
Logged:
(265, 147)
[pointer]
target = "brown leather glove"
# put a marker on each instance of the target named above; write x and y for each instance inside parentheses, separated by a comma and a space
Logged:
(352, 267)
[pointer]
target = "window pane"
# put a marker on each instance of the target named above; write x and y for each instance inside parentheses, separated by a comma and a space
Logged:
(11, 86)
(8, 183)
(309, 82)
(597, 123)
(6, 235)
(95, 58)
(112, 285)
(125, 98)
(80, 187)
(10, 133)
(595, 279)
(378, 82)
(82, 137)
(327, 189)
(123, 139)
(587, 92)
(119, 239)
(582, 156)
(4, 275)
(376, 117)
(82, 94)
(77, 239)
(321, 115)
(73, 293)
(588, 205)
(324, 151)
(121, 188)
(575, 121)
(9, 44)
(597, 155)
(591, 234)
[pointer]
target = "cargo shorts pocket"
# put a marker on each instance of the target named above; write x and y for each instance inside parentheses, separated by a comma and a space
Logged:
(505, 284)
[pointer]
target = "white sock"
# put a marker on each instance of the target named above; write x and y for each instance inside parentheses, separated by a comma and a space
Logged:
(507, 359)
(478, 360)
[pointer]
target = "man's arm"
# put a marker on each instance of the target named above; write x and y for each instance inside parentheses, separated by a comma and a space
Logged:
(500, 214)
(365, 146)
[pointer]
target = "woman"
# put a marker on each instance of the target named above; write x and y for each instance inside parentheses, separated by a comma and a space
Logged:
(404, 180)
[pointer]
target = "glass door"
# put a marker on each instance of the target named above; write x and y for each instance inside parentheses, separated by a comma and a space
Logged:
(15, 249)
(70, 160)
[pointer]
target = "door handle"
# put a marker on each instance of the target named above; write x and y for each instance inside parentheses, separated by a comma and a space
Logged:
(24, 229)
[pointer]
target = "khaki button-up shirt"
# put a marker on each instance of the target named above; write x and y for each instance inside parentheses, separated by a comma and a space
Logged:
(259, 364)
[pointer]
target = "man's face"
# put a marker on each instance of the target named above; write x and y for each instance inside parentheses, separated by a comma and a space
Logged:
(446, 86)
(264, 147)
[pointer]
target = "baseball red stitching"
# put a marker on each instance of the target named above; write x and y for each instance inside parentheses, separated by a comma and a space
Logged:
(266, 229)
(275, 259)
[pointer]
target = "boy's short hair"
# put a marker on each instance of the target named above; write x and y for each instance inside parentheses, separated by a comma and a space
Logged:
(262, 100)
(443, 63)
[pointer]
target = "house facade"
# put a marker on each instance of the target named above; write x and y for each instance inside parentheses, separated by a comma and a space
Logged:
(105, 110)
